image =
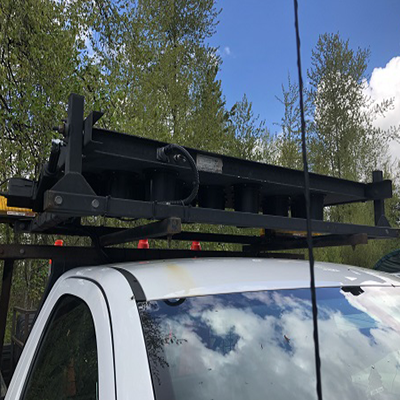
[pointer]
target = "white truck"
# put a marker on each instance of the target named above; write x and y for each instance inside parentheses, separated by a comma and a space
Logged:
(168, 323)
(201, 329)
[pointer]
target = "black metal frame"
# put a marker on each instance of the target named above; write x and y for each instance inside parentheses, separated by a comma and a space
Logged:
(69, 188)
(97, 172)
(5, 298)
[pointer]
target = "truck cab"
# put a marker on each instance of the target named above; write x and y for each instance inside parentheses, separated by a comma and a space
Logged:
(228, 328)
(237, 320)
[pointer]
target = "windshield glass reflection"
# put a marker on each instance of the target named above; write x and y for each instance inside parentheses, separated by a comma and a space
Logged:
(260, 346)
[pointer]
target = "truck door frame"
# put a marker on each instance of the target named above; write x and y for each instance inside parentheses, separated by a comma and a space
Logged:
(94, 296)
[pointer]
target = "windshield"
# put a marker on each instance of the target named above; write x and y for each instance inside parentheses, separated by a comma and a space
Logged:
(259, 345)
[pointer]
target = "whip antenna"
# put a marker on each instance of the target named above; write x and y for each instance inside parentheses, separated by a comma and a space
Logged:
(307, 203)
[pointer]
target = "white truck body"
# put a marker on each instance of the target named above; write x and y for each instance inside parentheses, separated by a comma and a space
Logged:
(111, 292)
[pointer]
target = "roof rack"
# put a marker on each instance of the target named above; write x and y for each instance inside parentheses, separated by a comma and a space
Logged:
(98, 172)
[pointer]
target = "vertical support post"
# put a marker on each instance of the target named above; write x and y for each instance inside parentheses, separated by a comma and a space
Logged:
(26, 326)
(73, 160)
(57, 269)
(379, 205)
(73, 180)
(14, 323)
(5, 300)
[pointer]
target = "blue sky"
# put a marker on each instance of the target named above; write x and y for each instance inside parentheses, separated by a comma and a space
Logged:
(257, 43)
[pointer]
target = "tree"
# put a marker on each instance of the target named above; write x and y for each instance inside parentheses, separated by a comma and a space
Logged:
(288, 141)
(173, 93)
(45, 54)
(208, 125)
(43, 57)
(250, 138)
(344, 142)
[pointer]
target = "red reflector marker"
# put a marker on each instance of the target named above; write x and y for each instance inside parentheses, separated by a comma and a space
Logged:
(143, 244)
(195, 246)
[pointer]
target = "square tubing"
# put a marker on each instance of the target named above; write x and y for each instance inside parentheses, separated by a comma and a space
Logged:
(379, 205)
(5, 300)
(58, 267)
(167, 227)
(73, 160)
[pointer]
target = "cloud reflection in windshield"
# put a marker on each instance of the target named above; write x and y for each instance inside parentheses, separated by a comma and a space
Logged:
(260, 346)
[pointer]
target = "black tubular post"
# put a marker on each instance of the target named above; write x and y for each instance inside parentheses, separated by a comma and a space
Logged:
(308, 212)
(5, 300)
(56, 270)
(73, 161)
(379, 205)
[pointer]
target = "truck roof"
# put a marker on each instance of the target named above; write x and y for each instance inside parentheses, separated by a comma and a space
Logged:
(169, 279)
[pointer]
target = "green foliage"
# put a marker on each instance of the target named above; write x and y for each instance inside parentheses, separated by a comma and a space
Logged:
(171, 90)
(344, 142)
(342, 138)
(288, 142)
(43, 58)
(250, 138)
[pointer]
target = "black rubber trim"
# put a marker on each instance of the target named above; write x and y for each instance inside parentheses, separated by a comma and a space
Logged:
(136, 287)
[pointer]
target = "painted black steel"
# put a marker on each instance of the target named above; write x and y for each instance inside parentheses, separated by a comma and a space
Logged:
(167, 227)
(71, 257)
(5, 299)
(82, 205)
(91, 231)
(136, 153)
(291, 243)
(101, 172)
(379, 204)
(73, 161)
(98, 172)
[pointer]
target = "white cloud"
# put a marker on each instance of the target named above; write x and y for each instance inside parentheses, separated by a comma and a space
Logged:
(385, 84)
(227, 50)
(233, 350)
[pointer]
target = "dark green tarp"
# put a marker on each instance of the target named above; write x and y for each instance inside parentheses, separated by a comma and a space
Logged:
(389, 263)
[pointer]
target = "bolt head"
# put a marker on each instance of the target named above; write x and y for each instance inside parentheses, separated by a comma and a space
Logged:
(95, 203)
(58, 200)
